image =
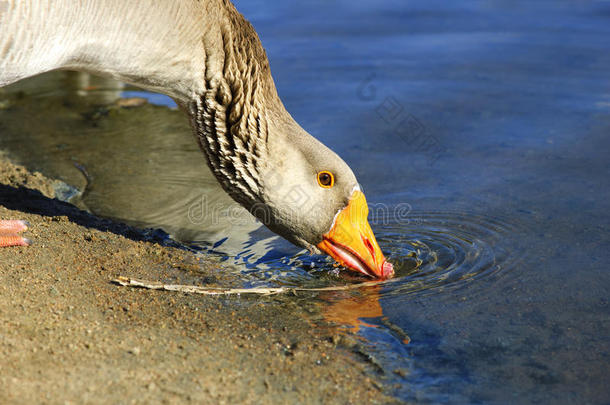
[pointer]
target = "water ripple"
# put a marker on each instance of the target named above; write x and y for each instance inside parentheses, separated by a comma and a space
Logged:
(436, 251)
(431, 252)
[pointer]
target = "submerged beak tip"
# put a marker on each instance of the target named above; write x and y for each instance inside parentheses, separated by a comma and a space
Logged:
(387, 270)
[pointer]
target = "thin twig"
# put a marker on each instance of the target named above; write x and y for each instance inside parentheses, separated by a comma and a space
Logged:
(193, 289)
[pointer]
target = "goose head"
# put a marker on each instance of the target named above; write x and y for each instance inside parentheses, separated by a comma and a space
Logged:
(267, 162)
(311, 197)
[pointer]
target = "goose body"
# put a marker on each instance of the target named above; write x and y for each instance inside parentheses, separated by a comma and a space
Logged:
(209, 59)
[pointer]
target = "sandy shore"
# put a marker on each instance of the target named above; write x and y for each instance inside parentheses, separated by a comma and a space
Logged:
(68, 335)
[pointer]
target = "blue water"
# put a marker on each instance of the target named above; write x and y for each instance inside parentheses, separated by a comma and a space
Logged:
(480, 132)
(491, 108)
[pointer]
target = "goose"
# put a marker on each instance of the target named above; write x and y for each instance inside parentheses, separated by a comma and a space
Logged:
(209, 59)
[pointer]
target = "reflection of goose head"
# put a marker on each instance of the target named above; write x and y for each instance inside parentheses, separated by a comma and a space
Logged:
(210, 60)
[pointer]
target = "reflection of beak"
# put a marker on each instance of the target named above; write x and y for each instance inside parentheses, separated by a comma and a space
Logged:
(346, 308)
(351, 241)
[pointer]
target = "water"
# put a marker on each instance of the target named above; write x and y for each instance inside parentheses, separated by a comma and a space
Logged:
(480, 134)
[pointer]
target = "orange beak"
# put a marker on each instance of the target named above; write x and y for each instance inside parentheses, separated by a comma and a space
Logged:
(351, 241)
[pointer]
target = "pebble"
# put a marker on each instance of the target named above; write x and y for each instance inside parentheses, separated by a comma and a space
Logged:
(134, 350)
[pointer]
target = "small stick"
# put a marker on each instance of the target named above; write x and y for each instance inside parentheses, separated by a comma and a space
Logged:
(193, 289)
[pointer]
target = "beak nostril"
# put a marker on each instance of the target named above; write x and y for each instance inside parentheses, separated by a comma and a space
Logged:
(369, 246)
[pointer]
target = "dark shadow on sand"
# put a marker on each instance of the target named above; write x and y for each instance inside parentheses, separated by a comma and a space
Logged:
(34, 202)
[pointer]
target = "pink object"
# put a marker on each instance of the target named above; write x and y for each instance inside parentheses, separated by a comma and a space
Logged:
(9, 230)
(13, 226)
(13, 240)
(387, 270)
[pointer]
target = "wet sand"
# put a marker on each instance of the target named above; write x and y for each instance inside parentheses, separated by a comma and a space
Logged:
(68, 335)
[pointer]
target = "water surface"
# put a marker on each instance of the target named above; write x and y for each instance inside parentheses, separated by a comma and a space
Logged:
(480, 134)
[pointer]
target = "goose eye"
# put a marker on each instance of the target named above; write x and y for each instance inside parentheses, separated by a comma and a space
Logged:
(326, 179)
